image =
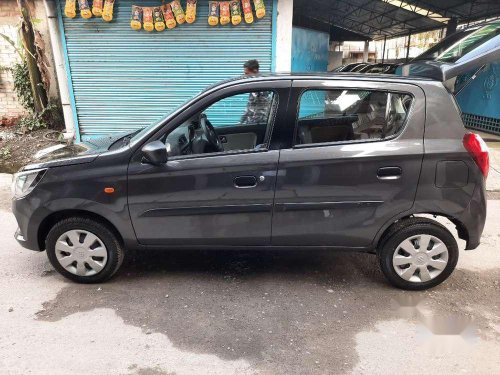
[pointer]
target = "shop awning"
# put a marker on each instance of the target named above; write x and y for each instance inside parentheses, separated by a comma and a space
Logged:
(376, 19)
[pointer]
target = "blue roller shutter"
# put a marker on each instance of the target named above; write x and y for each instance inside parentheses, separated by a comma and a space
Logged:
(125, 79)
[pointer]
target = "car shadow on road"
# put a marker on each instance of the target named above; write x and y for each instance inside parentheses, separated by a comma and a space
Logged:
(285, 312)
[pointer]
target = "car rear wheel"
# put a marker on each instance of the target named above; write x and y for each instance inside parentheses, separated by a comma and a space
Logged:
(418, 254)
(84, 250)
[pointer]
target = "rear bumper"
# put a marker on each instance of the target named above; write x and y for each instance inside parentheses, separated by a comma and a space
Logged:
(474, 217)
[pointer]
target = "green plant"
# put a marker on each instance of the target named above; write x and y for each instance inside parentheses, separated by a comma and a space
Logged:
(4, 153)
(22, 85)
(47, 118)
(32, 122)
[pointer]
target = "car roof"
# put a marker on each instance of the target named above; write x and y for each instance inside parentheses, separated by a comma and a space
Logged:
(322, 76)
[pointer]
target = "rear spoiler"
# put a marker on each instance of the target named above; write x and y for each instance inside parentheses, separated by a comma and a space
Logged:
(486, 53)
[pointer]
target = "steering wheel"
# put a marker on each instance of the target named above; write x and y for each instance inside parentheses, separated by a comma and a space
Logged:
(210, 134)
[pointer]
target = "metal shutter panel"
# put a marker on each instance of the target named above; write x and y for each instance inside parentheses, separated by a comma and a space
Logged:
(125, 79)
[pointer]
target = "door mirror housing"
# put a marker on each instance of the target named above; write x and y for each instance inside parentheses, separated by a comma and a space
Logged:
(155, 153)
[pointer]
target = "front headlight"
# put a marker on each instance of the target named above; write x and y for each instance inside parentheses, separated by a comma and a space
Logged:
(24, 182)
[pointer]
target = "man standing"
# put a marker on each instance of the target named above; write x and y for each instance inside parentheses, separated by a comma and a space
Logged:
(251, 67)
(257, 110)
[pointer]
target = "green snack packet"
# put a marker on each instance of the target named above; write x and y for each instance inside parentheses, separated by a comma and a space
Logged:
(235, 7)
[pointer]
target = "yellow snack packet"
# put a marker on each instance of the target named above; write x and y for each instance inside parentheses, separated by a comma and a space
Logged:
(225, 14)
(158, 18)
(147, 17)
(180, 17)
(260, 8)
(84, 9)
(247, 11)
(70, 8)
(213, 13)
(97, 7)
(235, 12)
(168, 15)
(136, 18)
(107, 12)
(191, 11)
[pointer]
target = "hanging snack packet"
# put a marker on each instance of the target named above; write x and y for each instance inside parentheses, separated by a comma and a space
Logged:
(247, 11)
(260, 8)
(147, 18)
(107, 12)
(191, 11)
(97, 7)
(168, 15)
(70, 8)
(178, 12)
(136, 18)
(235, 12)
(84, 9)
(225, 14)
(158, 17)
(213, 13)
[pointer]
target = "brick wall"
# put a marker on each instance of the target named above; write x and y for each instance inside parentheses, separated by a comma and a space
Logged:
(9, 17)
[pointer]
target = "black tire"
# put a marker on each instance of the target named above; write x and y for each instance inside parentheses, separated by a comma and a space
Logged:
(412, 227)
(115, 252)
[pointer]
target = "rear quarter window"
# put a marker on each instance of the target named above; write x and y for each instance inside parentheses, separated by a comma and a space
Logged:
(350, 115)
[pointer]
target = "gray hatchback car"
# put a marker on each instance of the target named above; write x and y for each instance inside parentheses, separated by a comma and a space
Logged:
(344, 161)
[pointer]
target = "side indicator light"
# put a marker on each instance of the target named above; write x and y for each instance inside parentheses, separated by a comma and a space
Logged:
(109, 190)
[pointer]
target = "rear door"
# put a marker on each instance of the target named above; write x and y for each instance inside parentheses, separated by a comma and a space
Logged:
(354, 162)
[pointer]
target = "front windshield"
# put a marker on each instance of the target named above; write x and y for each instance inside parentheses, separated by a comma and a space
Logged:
(144, 130)
(470, 42)
(147, 128)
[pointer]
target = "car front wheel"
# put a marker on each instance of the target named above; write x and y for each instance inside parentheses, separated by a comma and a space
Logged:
(84, 250)
(418, 254)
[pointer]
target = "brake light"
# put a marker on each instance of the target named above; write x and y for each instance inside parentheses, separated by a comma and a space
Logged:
(478, 149)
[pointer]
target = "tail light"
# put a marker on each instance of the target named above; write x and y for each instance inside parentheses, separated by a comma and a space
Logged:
(478, 149)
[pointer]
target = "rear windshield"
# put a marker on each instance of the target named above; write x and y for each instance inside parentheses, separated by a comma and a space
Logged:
(470, 42)
(442, 46)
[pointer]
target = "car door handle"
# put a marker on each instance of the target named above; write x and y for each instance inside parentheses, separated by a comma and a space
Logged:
(389, 173)
(245, 182)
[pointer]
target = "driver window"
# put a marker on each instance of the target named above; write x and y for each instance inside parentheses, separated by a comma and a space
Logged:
(236, 123)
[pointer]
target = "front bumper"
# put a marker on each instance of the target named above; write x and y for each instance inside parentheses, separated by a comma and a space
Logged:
(28, 223)
(21, 240)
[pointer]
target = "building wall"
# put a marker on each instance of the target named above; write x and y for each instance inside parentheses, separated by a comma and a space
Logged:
(309, 50)
(9, 19)
(334, 59)
(283, 54)
(9, 16)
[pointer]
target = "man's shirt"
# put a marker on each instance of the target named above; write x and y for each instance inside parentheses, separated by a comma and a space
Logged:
(257, 111)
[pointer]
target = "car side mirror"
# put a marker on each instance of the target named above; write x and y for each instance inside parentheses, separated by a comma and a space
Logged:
(155, 153)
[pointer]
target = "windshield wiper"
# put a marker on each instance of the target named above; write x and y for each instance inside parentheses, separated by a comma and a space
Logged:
(125, 140)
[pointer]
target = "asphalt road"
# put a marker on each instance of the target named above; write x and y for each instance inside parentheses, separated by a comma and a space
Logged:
(247, 313)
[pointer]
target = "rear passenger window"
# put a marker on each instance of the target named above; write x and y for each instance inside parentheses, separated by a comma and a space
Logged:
(327, 116)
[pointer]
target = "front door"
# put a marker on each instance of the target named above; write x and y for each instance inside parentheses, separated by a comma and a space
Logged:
(354, 163)
(217, 187)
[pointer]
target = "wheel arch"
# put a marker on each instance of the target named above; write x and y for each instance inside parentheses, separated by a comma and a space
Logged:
(393, 225)
(49, 222)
